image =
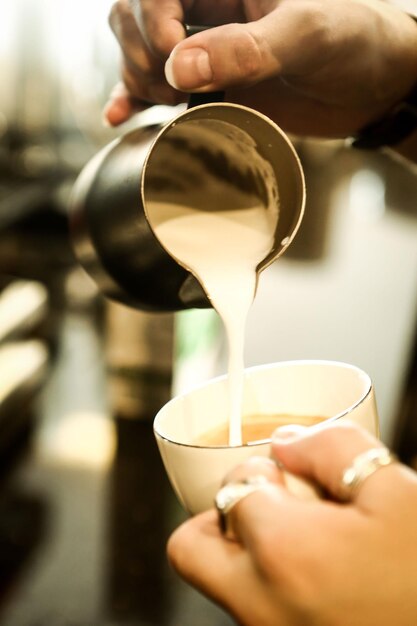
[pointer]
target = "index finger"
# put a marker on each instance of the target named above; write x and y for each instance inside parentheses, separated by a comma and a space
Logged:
(323, 453)
(200, 555)
(160, 23)
(227, 572)
(267, 514)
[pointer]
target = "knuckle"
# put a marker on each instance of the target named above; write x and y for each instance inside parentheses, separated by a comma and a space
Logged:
(119, 11)
(175, 551)
(122, 22)
(314, 23)
(155, 30)
(253, 466)
(113, 17)
(163, 37)
(158, 41)
(247, 53)
(341, 428)
(317, 18)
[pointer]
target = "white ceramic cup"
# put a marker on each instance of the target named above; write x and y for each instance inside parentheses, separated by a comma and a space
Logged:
(326, 388)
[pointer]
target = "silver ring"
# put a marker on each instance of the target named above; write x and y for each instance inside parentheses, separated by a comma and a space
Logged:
(232, 493)
(363, 466)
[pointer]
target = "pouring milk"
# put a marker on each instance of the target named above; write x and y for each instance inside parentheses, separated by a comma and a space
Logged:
(219, 240)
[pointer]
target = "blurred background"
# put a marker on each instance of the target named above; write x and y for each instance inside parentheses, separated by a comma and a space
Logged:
(85, 508)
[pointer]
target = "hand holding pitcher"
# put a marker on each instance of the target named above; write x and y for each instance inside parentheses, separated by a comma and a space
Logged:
(316, 68)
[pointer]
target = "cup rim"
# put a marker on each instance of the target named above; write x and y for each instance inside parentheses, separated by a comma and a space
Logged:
(255, 368)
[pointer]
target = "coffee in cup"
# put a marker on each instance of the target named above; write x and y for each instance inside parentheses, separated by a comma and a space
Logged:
(317, 389)
(256, 428)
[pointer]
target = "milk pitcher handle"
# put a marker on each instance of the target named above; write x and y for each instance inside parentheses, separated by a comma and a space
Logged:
(208, 96)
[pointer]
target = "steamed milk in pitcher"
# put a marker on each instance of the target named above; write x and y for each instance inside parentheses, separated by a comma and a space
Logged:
(218, 234)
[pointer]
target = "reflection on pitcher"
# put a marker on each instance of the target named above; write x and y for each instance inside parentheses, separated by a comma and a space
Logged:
(208, 154)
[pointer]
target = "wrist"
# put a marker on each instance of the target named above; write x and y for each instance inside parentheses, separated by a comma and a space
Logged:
(393, 129)
(397, 127)
(406, 148)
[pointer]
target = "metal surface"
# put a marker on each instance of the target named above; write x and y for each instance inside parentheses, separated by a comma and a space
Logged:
(111, 235)
(182, 161)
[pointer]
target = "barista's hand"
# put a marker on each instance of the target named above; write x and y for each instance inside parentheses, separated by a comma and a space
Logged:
(317, 67)
(311, 563)
(144, 55)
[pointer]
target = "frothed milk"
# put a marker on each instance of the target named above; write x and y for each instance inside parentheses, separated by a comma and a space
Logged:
(222, 249)
(221, 229)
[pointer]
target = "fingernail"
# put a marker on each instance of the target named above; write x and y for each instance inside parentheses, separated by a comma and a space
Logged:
(194, 65)
(169, 74)
(288, 433)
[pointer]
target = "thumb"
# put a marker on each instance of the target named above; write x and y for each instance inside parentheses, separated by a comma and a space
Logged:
(322, 453)
(225, 56)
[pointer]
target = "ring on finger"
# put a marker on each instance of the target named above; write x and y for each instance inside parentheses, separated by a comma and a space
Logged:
(230, 494)
(361, 468)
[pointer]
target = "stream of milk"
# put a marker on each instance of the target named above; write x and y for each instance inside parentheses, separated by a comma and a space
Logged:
(222, 249)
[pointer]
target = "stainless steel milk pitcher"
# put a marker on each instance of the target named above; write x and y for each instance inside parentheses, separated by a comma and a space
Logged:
(206, 148)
